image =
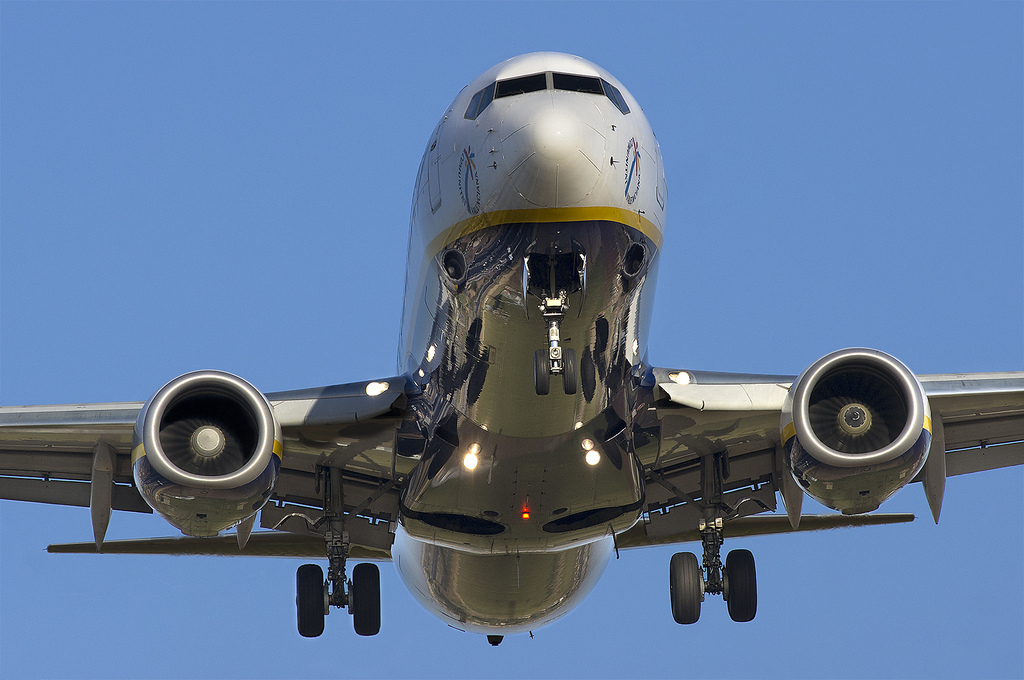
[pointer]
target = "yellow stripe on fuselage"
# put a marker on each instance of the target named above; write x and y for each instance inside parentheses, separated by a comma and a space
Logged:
(497, 218)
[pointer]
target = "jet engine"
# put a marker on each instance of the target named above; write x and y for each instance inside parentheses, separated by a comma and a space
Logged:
(206, 452)
(856, 427)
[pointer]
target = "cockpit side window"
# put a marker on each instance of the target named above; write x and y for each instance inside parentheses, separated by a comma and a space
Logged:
(613, 93)
(521, 85)
(479, 102)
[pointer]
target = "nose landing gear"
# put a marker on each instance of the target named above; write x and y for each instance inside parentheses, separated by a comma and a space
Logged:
(555, 359)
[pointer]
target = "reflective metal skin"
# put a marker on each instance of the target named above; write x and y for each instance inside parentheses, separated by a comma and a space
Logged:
(546, 197)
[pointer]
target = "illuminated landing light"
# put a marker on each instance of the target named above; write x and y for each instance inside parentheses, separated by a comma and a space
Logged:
(421, 373)
(430, 352)
(471, 459)
(376, 388)
(593, 457)
(636, 346)
(578, 425)
(587, 444)
(680, 378)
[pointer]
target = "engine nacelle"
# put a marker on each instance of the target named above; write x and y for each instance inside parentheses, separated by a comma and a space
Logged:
(206, 452)
(856, 427)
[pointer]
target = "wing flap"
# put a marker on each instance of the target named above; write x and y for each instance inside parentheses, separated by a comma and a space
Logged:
(59, 492)
(637, 537)
(260, 544)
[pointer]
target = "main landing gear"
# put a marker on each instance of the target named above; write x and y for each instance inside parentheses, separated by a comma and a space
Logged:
(314, 595)
(690, 581)
(555, 359)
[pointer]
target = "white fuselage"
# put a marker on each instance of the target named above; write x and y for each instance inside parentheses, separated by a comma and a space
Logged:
(542, 178)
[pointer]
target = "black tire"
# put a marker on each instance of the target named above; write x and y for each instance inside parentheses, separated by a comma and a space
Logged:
(541, 371)
(588, 375)
(364, 599)
(570, 371)
(741, 585)
(686, 587)
(309, 600)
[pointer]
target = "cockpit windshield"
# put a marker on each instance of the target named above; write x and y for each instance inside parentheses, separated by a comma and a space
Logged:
(544, 81)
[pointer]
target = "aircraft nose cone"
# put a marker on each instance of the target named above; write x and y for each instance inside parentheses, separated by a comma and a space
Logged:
(553, 148)
(556, 134)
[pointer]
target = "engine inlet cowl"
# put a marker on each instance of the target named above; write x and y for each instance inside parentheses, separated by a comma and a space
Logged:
(207, 451)
(856, 427)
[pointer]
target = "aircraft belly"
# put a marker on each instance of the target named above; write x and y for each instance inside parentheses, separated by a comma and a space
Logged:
(487, 326)
(508, 593)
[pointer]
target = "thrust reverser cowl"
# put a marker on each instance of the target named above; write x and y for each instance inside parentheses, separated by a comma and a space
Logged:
(856, 427)
(206, 452)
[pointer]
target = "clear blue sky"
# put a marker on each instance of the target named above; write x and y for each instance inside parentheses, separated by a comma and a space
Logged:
(227, 185)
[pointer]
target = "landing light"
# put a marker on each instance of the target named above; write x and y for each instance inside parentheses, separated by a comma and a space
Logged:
(471, 459)
(636, 346)
(680, 378)
(578, 425)
(376, 388)
(587, 444)
(593, 457)
(430, 353)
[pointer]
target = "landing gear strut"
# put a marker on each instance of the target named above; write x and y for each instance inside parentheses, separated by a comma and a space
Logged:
(314, 595)
(555, 359)
(736, 582)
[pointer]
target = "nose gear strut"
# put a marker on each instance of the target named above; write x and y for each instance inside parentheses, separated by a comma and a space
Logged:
(555, 360)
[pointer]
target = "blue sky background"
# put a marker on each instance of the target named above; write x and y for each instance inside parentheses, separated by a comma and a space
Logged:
(193, 185)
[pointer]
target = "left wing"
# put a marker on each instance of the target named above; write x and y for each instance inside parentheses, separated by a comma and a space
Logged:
(977, 423)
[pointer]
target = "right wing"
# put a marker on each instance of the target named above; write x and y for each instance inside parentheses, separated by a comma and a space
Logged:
(80, 455)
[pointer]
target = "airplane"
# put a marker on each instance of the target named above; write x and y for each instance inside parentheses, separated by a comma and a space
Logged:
(525, 437)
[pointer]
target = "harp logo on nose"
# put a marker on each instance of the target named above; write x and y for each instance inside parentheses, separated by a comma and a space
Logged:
(469, 182)
(632, 170)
